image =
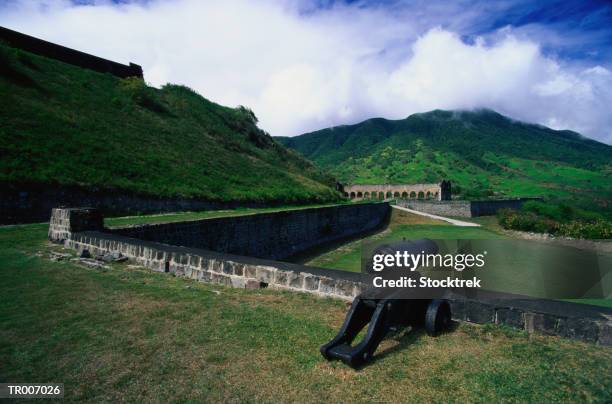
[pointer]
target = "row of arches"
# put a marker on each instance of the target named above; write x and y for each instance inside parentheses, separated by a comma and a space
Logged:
(390, 195)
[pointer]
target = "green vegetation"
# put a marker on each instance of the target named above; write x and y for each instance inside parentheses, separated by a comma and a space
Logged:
(556, 219)
(483, 153)
(126, 334)
(64, 125)
(402, 225)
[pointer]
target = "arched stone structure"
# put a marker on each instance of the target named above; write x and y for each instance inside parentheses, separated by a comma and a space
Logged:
(440, 192)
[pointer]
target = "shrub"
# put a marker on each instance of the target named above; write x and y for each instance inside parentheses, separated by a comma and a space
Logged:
(599, 229)
(530, 221)
(559, 212)
(142, 95)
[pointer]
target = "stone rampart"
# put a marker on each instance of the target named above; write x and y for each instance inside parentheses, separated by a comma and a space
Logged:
(464, 208)
(74, 57)
(276, 235)
(32, 203)
(75, 230)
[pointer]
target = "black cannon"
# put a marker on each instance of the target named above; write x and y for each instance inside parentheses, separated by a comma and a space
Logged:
(386, 313)
(383, 315)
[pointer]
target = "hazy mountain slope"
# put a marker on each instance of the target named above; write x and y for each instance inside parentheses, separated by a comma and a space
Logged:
(482, 152)
(60, 124)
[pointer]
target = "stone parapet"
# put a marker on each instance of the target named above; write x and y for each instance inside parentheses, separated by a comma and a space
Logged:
(81, 229)
(65, 221)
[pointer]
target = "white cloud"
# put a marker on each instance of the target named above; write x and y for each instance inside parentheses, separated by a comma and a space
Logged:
(302, 71)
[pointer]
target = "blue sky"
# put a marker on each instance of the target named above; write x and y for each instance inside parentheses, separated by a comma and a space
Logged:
(305, 64)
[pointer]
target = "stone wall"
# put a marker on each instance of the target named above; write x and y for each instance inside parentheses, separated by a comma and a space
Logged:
(32, 203)
(67, 55)
(227, 269)
(276, 235)
(65, 221)
(571, 320)
(464, 208)
(441, 208)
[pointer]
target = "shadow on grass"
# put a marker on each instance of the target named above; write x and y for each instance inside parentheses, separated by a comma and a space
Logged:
(311, 253)
(405, 338)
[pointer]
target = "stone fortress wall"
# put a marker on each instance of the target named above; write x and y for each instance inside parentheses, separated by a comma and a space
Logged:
(67, 55)
(464, 208)
(82, 229)
(276, 235)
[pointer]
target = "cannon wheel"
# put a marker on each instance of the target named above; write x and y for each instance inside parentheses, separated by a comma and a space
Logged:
(437, 317)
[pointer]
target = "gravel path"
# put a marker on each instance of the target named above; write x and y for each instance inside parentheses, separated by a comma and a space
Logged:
(446, 219)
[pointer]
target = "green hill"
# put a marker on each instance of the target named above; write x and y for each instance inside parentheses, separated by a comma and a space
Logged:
(484, 153)
(64, 125)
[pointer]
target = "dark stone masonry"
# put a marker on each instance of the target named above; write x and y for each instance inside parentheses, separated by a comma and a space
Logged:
(82, 229)
(464, 208)
(67, 55)
(277, 235)
(29, 203)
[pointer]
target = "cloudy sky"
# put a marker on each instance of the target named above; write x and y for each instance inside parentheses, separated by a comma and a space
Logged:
(305, 65)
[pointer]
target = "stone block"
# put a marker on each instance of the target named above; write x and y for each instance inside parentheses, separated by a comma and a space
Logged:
(238, 282)
(511, 317)
(265, 274)
(281, 278)
(579, 328)
(327, 285)
(604, 336)
(311, 282)
(480, 313)
(204, 276)
(250, 271)
(544, 323)
(295, 280)
(194, 261)
(344, 287)
(220, 279)
(227, 267)
(238, 269)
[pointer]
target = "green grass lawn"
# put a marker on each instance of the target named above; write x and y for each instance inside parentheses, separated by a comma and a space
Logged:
(126, 334)
(402, 225)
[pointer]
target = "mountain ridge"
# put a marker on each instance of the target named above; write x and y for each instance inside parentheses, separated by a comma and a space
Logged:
(483, 152)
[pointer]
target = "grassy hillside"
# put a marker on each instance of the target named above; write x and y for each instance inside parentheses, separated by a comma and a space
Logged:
(483, 153)
(60, 124)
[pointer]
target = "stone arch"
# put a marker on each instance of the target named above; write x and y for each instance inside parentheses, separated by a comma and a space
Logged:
(396, 194)
(389, 195)
(366, 195)
(436, 195)
(381, 195)
(359, 194)
(428, 195)
(352, 195)
(404, 195)
(413, 195)
(421, 195)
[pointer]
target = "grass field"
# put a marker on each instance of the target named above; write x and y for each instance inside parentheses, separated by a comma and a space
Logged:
(126, 334)
(515, 277)
(402, 225)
